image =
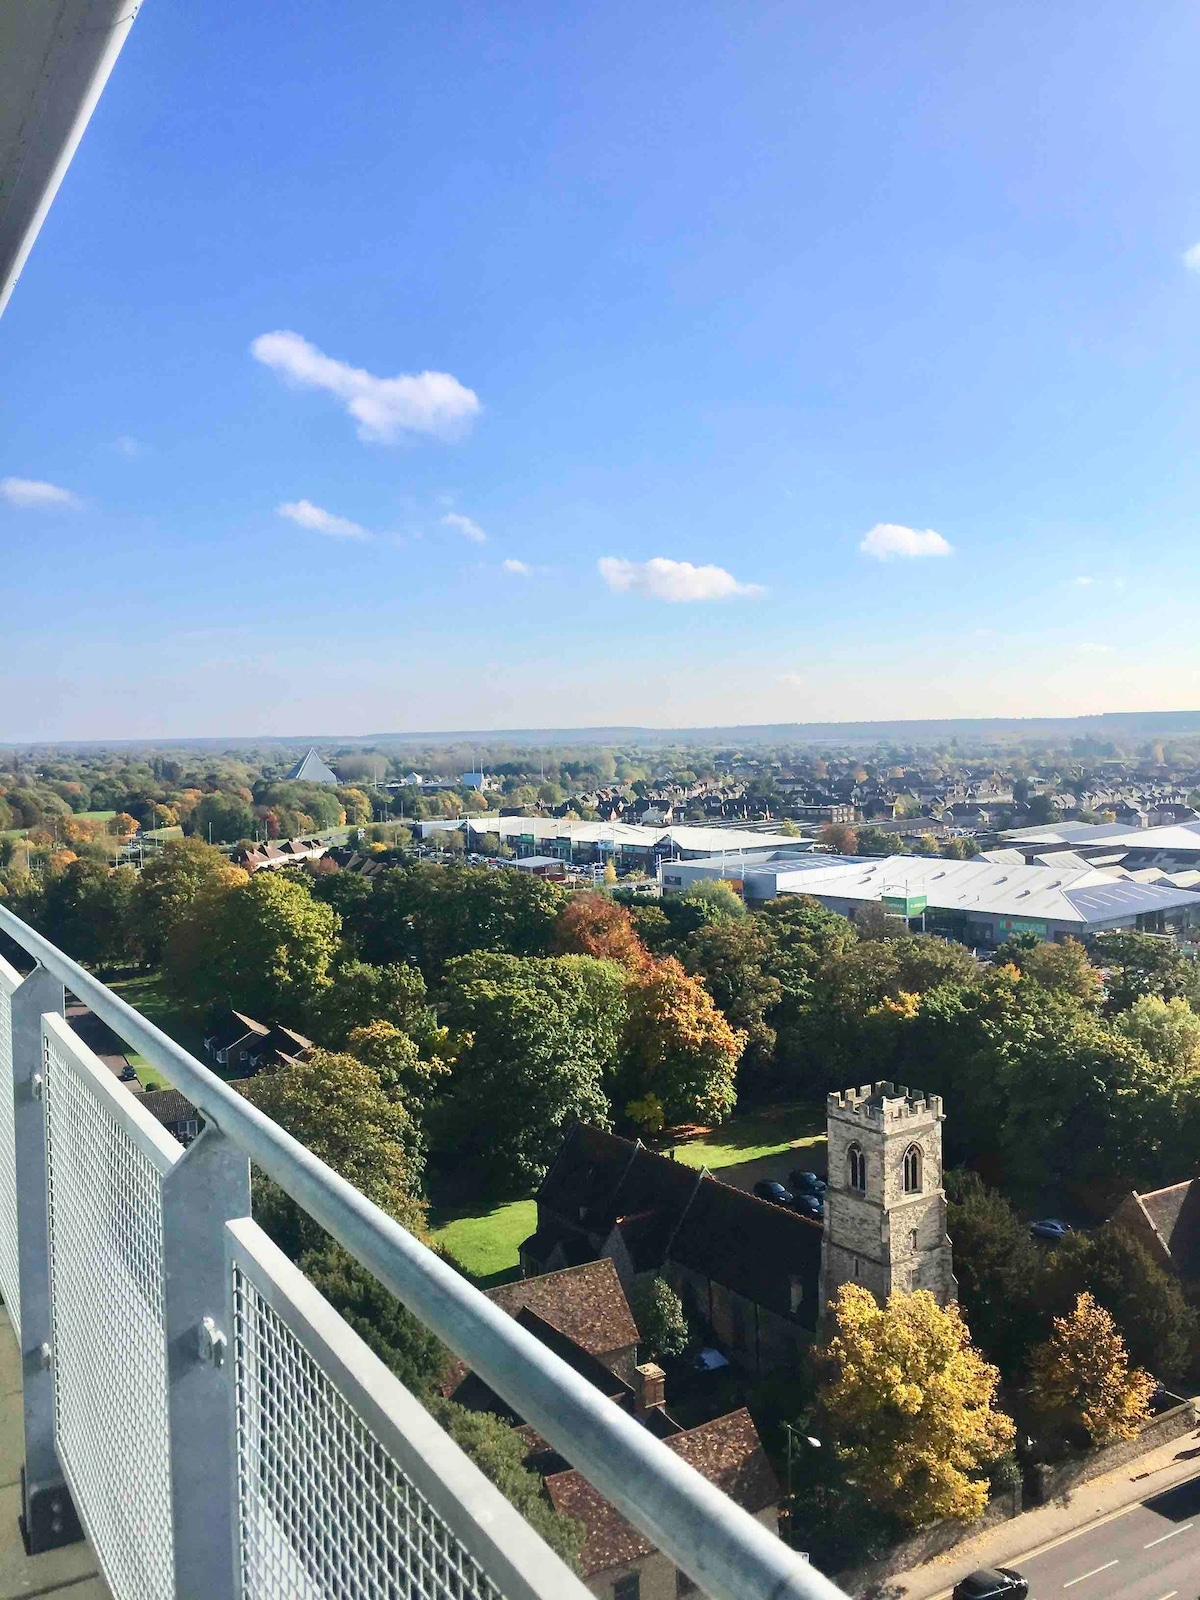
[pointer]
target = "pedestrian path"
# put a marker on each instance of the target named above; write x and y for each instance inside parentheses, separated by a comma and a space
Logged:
(1036, 1531)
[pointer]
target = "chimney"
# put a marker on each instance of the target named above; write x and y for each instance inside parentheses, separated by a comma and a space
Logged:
(649, 1388)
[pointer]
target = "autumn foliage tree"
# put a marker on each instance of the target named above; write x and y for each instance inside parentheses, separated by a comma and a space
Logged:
(679, 1046)
(911, 1406)
(1082, 1375)
(594, 925)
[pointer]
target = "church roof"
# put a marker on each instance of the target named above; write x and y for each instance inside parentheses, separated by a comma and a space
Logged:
(311, 769)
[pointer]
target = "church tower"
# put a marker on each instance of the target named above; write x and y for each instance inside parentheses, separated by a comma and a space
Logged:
(885, 1209)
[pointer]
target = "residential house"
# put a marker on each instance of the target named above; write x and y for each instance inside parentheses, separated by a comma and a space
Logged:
(238, 1046)
(176, 1113)
(617, 1560)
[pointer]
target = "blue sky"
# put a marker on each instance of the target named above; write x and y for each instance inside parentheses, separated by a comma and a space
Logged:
(723, 285)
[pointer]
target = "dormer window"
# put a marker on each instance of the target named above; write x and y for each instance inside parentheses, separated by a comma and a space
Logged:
(856, 1168)
(912, 1169)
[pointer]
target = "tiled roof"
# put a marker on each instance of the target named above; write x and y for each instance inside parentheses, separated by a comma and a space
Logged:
(727, 1451)
(664, 1209)
(751, 1246)
(168, 1106)
(1175, 1212)
(586, 1303)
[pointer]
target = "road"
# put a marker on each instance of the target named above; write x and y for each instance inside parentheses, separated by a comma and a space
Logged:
(1150, 1552)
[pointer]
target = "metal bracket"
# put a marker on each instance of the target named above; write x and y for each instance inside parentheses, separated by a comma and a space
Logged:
(212, 1342)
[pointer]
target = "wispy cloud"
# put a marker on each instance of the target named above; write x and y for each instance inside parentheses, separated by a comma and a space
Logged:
(386, 409)
(467, 526)
(129, 447)
(677, 581)
(793, 680)
(888, 539)
(1083, 582)
(1191, 258)
(318, 520)
(31, 494)
(521, 568)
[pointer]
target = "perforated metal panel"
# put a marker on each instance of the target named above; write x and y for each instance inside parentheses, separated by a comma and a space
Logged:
(325, 1510)
(10, 1278)
(106, 1291)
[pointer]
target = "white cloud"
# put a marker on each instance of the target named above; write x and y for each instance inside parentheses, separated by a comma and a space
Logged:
(793, 680)
(129, 447)
(1083, 582)
(466, 526)
(385, 409)
(33, 495)
(888, 539)
(663, 579)
(521, 568)
(1191, 258)
(307, 515)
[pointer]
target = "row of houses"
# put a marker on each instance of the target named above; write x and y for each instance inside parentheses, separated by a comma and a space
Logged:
(274, 853)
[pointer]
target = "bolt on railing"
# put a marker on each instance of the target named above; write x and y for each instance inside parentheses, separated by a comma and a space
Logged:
(215, 1426)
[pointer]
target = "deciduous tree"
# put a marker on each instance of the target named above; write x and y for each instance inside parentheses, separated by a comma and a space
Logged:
(1082, 1375)
(911, 1404)
(541, 1036)
(679, 1046)
(336, 1106)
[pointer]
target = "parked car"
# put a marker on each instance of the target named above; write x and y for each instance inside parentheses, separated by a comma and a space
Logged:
(810, 1205)
(803, 1182)
(774, 1192)
(991, 1583)
(128, 1075)
(1050, 1228)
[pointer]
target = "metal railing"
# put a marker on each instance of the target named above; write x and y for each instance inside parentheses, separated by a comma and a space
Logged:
(216, 1427)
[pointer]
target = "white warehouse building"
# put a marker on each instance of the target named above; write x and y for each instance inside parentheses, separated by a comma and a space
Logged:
(979, 902)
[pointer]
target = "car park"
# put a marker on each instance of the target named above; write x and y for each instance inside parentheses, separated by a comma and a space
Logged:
(991, 1583)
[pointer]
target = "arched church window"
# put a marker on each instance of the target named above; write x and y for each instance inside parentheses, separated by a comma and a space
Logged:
(912, 1169)
(856, 1168)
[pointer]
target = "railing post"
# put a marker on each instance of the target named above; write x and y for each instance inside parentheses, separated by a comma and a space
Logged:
(48, 1517)
(208, 1186)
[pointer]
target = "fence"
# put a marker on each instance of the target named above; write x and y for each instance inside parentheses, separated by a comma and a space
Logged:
(194, 1405)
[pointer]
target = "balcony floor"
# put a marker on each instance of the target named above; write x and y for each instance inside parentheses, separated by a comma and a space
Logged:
(72, 1572)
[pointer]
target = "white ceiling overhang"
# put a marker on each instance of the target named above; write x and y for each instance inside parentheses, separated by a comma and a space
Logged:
(55, 58)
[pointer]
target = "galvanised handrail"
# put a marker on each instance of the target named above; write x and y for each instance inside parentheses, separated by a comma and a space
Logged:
(720, 1545)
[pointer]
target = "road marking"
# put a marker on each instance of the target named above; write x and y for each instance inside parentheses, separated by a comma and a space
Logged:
(1171, 1535)
(1070, 1584)
(1170, 1596)
(1087, 1527)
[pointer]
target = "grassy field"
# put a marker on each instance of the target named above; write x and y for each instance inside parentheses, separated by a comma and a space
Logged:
(484, 1243)
(146, 995)
(759, 1133)
(96, 816)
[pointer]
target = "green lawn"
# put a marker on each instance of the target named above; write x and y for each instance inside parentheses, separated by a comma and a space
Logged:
(484, 1243)
(758, 1133)
(96, 816)
(145, 994)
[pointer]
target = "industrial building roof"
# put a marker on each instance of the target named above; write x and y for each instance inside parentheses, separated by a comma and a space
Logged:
(1081, 894)
(1174, 836)
(683, 836)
